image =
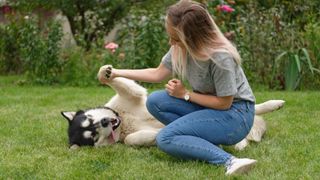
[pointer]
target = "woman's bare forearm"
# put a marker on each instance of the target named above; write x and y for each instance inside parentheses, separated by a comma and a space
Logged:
(152, 75)
(145, 75)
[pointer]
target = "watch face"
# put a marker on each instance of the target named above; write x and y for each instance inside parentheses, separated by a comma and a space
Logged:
(186, 97)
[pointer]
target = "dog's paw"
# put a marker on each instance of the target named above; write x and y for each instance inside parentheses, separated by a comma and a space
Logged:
(273, 105)
(241, 145)
(74, 147)
(276, 104)
(108, 71)
(141, 138)
(104, 73)
(269, 106)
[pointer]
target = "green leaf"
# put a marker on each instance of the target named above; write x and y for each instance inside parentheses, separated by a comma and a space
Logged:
(315, 69)
(306, 54)
(280, 56)
(275, 62)
(292, 73)
(298, 63)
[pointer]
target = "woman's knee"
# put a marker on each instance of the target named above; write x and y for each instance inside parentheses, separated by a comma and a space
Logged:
(163, 139)
(153, 100)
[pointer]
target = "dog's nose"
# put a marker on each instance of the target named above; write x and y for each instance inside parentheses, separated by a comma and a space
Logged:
(105, 122)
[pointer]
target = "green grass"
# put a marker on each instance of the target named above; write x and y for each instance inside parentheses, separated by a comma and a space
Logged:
(33, 140)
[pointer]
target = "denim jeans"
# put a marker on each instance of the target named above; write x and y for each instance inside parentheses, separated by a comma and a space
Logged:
(195, 132)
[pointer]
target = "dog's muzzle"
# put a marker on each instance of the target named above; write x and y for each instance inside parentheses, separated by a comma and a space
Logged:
(115, 123)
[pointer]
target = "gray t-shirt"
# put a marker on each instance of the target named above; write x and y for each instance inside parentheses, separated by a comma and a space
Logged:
(221, 77)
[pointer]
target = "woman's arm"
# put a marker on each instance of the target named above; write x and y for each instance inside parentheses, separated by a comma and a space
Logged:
(210, 101)
(176, 88)
(152, 75)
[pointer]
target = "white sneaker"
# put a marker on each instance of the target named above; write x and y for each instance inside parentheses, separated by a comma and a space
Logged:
(239, 166)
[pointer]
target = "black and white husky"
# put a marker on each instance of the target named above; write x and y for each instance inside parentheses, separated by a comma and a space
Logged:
(125, 118)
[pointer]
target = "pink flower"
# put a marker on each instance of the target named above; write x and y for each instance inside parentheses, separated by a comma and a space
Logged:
(225, 8)
(111, 46)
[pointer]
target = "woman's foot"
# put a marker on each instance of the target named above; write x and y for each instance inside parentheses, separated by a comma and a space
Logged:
(240, 166)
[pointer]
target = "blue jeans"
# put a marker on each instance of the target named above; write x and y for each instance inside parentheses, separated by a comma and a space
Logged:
(195, 132)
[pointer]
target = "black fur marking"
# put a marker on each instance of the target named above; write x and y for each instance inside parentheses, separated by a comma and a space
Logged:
(109, 68)
(115, 112)
(79, 112)
(76, 131)
(108, 71)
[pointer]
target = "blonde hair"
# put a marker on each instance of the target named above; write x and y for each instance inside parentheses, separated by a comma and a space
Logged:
(198, 33)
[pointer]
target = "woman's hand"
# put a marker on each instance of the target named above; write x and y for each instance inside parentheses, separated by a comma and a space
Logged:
(175, 88)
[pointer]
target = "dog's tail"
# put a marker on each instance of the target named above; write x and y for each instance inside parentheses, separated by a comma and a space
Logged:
(268, 106)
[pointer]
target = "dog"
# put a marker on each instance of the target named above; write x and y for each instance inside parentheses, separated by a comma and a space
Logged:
(125, 118)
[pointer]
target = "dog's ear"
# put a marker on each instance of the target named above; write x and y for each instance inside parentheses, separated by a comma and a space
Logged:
(68, 115)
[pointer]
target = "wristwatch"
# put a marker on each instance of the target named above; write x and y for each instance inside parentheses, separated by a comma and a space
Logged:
(186, 96)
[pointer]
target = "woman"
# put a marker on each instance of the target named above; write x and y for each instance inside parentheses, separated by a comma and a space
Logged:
(219, 110)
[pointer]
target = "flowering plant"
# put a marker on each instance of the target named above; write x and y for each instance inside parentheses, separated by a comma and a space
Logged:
(111, 47)
(225, 8)
(6, 9)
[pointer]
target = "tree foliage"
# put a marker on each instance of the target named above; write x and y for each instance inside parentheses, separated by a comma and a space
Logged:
(89, 20)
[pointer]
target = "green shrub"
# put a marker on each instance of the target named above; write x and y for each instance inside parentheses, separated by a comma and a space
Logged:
(80, 67)
(40, 50)
(26, 48)
(10, 61)
(312, 38)
(143, 40)
(142, 43)
(89, 20)
(296, 64)
(265, 29)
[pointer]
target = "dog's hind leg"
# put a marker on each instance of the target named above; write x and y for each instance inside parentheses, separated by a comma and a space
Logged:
(142, 138)
(258, 129)
(242, 144)
(268, 106)
(256, 133)
(259, 125)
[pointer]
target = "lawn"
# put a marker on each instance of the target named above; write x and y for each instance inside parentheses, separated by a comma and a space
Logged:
(34, 141)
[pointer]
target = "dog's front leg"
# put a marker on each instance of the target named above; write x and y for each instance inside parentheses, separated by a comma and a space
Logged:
(142, 138)
(102, 141)
(123, 86)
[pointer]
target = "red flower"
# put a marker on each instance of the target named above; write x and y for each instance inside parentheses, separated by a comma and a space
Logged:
(6, 9)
